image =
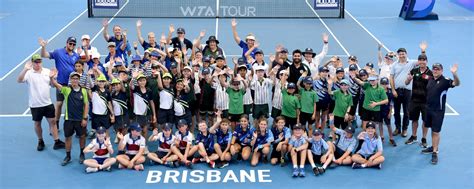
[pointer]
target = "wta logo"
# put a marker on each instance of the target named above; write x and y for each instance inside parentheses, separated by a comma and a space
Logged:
(208, 176)
(224, 11)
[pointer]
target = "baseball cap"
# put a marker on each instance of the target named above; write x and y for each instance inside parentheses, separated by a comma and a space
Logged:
(187, 68)
(212, 38)
(35, 57)
(422, 57)
(136, 58)
(136, 127)
(173, 65)
(235, 82)
(259, 51)
(206, 59)
(340, 69)
(241, 60)
(371, 124)
(372, 78)
(155, 53)
(220, 57)
(115, 81)
(73, 74)
(250, 36)
(384, 81)
(85, 37)
(323, 69)
(257, 68)
(308, 80)
(317, 132)
(353, 67)
(345, 81)
(362, 72)
(284, 50)
(110, 44)
(369, 64)
(180, 30)
(140, 76)
(291, 86)
(401, 50)
(182, 122)
(71, 39)
(309, 51)
(206, 71)
(350, 129)
(101, 130)
(101, 78)
(437, 66)
(167, 127)
(95, 55)
(352, 57)
(167, 74)
(118, 63)
(297, 126)
(283, 72)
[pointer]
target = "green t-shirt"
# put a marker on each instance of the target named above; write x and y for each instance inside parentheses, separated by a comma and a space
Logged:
(343, 101)
(75, 101)
(236, 101)
(372, 94)
(289, 104)
(307, 100)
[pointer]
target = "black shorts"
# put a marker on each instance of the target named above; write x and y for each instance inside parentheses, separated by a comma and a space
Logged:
(339, 122)
(161, 154)
(332, 105)
(355, 100)
(59, 95)
(100, 120)
(234, 117)
(384, 117)
(187, 116)
(190, 156)
(306, 118)
(275, 153)
(40, 112)
(322, 105)
(260, 110)
(224, 114)
(338, 152)
(275, 112)
(366, 157)
(206, 106)
(368, 115)
(415, 109)
(165, 116)
(73, 126)
(142, 120)
(317, 158)
(290, 122)
(194, 107)
(130, 156)
(247, 109)
(121, 122)
(434, 120)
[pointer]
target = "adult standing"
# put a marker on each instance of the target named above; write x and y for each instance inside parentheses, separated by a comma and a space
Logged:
(297, 68)
(151, 43)
(385, 64)
(437, 89)
(312, 60)
(179, 41)
(118, 38)
(38, 81)
(64, 59)
(401, 91)
(247, 45)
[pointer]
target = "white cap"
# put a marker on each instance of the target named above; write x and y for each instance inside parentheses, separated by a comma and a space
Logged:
(95, 55)
(251, 37)
(259, 68)
(170, 49)
(187, 67)
(86, 37)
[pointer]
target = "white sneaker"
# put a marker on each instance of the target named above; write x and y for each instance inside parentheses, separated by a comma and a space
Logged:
(108, 169)
(91, 170)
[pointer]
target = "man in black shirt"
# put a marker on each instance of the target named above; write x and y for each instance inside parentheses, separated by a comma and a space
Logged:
(420, 76)
(180, 41)
(437, 89)
(297, 68)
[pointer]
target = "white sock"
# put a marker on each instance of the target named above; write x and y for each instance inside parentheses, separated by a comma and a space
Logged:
(364, 165)
(324, 166)
(295, 166)
(313, 165)
(301, 166)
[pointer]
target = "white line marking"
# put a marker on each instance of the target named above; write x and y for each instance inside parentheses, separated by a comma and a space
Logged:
(454, 111)
(330, 31)
(50, 39)
(217, 19)
(26, 111)
(18, 115)
(113, 17)
(372, 35)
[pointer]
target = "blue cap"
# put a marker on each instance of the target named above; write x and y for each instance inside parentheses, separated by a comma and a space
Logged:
(241, 61)
(362, 72)
(308, 80)
(71, 39)
(259, 51)
(384, 81)
(371, 124)
(136, 58)
(167, 127)
(369, 64)
(206, 59)
(155, 53)
(353, 67)
(182, 122)
(323, 69)
(350, 129)
(317, 132)
(101, 130)
(119, 63)
(174, 65)
(284, 50)
(206, 71)
(136, 127)
(291, 86)
(373, 78)
(340, 69)
(180, 30)
(220, 57)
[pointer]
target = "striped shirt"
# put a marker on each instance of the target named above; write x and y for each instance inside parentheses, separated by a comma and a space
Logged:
(262, 90)
(400, 73)
(83, 81)
(354, 88)
(222, 98)
(277, 96)
(248, 94)
(321, 88)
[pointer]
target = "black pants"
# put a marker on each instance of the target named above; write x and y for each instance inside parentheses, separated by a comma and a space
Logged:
(404, 96)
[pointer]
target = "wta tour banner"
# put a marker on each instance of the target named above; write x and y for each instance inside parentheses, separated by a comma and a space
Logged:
(326, 4)
(106, 4)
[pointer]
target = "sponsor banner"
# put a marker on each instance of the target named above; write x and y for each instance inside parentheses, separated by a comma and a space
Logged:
(326, 4)
(208, 176)
(106, 4)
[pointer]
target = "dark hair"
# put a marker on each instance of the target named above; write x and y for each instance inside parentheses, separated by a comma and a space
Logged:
(296, 51)
(401, 50)
(278, 119)
(245, 116)
(263, 118)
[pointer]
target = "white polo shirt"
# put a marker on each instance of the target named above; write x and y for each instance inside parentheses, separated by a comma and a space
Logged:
(38, 88)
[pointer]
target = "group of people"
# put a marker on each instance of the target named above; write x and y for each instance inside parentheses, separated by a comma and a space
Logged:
(178, 84)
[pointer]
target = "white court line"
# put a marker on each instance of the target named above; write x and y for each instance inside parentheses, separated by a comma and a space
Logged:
(26, 111)
(217, 19)
(39, 48)
(330, 31)
(18, 115)
(378, 41)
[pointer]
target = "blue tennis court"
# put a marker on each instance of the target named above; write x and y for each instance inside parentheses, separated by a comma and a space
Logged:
(366, 23)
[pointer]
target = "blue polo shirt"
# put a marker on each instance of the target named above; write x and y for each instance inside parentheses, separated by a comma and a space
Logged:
(345, 143)
(370, 146)
(64, 63)
(119, 53)
(318, 147)
(147, 45)
(297, 142)
(119, 42)
(245, 48)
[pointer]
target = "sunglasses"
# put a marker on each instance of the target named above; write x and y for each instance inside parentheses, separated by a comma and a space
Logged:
(37, 61)
(73, 44)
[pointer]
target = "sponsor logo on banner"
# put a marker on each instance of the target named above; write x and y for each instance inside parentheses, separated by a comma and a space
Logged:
(326, 4)
(224, 11)
(208, 176)
(106, 4)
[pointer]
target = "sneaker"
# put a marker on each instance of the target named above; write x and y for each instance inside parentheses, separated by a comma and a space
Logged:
(302, 173)
(40, 146)
(224, 164)
(212, 164)
(321, 170)
(81, 158)
(91, 170)
(383, 139)
(424, 144)
(356, 166)
(66, 160)
(295, 172)
(315, 171)
(379, 166)
(196, 160)
(411, 140)
(265, 160)
(189, 165)
(404, 133)
(434, 158)
(392, 142)
(108, 169)
(282, 162)
(59, 145)
(396, 132)
(428, 150)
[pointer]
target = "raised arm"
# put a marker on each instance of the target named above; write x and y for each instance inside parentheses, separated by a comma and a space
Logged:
(234, 31)
(170, 33)
(52, 75)
(212, 130)
(105, 25)
(124, 42)
(454, 70)
(43, 43)
(139, 32)
(379, 54)
(21, 77)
